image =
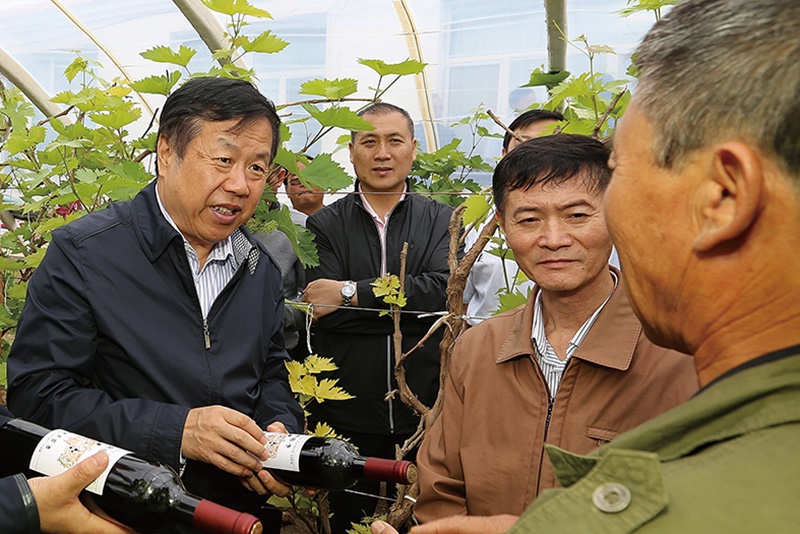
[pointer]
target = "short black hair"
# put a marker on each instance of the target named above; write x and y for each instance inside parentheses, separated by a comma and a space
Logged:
(214, 99)
(552, 159)
(529, 117)
(384, 108)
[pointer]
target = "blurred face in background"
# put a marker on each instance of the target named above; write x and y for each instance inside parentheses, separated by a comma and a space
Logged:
(303, 199)
(529, 131)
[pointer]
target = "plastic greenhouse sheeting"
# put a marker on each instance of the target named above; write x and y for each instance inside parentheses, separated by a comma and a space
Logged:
(478, 52)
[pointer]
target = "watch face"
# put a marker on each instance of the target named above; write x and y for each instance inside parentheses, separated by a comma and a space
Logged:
(348, 290)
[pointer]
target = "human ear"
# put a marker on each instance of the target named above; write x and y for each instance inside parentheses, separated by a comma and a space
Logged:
(732, 195)
(499, 218)
(164, 154)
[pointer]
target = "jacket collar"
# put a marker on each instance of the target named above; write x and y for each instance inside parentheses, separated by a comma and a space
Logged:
(156, 233)
(614, 351)
(358, 198)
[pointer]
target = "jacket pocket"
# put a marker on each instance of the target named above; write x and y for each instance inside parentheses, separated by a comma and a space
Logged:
(601, 435)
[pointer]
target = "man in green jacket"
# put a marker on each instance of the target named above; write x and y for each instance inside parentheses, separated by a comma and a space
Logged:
(704, 207)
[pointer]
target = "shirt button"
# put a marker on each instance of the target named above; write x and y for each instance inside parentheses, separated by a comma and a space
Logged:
(611, 497)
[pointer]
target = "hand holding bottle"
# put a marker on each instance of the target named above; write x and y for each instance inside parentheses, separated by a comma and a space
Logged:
(60, 509)
(225, 438)
(329, 463)
(262, 481)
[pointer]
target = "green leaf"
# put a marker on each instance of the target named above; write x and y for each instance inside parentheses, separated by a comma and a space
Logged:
(302, 239)
(223, 55)
(69, 98)
(324, 430)
(75, 143)
(326, 174)
(87, 176)
(266, 43)
(385, 285)
(17, 290)
(335, 89)
(539, 78)
(164, 54)
(33, 260)
(303, 384)
(8, 264)
(117, 118)
(20, 141)
(236, 7)
(157, 85)
(78, 65)
(282, 503)
(409, 66)
(131, 170)
(338, 116)
(477, 208)
(328, 390)
(645, 5)
(315, 364)
(600, 49)
(510, 300)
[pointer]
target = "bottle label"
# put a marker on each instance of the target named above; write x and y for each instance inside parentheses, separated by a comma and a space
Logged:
(283, 450)
(59, 450)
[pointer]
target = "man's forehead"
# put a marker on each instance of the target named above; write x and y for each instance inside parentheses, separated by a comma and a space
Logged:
(394, 121)
(576, 187)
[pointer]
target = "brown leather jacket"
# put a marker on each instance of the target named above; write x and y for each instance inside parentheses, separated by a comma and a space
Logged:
(484, 455)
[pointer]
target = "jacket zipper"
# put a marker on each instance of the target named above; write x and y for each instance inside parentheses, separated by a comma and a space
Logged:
(389, 345)
(206, 334)
(550, 405)
(549, 415)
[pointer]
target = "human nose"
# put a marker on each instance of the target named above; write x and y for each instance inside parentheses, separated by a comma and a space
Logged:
(554, 235)
(382, 151)
(236, 182)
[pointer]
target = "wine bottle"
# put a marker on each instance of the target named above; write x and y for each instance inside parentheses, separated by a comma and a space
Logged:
(328, 463)
(146, 496)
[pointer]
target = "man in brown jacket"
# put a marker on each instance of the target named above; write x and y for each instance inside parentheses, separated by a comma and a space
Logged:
(571, 368)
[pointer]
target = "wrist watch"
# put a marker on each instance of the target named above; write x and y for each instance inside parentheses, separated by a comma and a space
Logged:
(348, 292)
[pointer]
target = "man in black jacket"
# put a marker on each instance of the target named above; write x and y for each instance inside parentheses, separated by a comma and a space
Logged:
(359, 239)
(156, 324)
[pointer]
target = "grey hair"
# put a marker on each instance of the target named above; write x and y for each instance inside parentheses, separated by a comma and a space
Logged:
(713, 70)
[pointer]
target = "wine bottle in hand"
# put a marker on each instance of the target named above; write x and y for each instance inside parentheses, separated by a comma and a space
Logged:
(146, 496)
(329, 463)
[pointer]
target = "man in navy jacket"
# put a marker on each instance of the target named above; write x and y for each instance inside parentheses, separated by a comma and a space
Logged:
(156, 324)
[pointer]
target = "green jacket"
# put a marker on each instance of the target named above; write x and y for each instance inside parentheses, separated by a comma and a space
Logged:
(728, 460)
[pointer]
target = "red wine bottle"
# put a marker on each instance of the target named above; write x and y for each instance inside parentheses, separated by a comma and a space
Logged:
(328, 463)
(146, 496)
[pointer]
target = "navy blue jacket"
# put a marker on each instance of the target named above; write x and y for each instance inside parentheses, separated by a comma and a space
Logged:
(360, 342)
(112, 343)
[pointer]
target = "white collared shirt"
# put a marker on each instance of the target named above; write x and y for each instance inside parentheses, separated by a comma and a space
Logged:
(551, 365)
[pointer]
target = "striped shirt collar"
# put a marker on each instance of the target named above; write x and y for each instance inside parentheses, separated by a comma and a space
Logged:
(221, 251)
(552, 366)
